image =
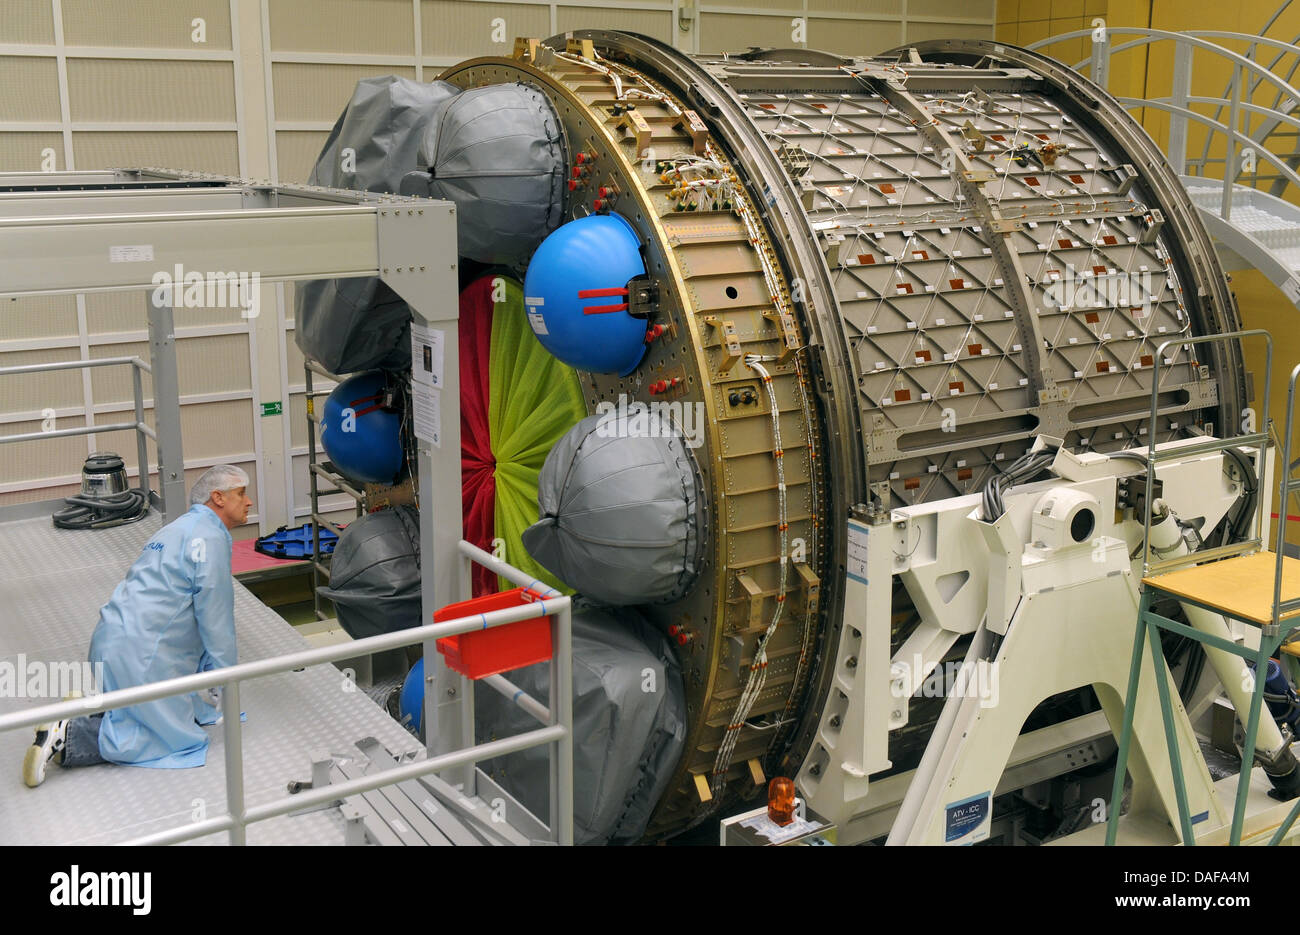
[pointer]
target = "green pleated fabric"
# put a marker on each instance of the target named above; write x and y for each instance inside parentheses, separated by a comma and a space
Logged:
(533, 400)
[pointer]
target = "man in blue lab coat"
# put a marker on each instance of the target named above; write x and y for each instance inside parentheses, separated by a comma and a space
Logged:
(172, 615)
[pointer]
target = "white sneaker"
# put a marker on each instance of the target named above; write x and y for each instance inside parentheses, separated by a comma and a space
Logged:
(49, 743)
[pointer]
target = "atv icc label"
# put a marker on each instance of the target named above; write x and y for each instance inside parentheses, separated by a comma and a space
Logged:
(967, 821)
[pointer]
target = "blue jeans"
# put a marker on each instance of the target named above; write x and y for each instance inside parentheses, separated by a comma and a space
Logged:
(81, 745)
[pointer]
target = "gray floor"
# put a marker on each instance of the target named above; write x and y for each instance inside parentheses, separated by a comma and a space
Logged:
(52, 584)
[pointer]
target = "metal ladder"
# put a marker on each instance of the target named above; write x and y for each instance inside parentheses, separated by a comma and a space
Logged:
(1196, 578)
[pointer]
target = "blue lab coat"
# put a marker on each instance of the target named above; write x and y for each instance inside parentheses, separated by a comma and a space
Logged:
(172, 615)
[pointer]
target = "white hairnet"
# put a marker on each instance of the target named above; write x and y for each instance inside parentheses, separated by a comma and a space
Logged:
(217, 477)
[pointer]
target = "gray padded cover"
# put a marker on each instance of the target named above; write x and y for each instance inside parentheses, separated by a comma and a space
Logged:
(498, 153)
(358, 324)
(629, 725)
(621, 518)
(375, 573)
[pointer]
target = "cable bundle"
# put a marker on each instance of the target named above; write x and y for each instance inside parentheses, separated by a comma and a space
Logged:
(1023, 469)
(758, 668)
(102, 512)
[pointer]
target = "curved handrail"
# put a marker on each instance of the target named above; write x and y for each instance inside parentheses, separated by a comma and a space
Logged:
(1255, 76)
(1235, 135)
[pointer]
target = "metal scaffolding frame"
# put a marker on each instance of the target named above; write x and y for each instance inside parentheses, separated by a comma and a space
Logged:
(71, 232)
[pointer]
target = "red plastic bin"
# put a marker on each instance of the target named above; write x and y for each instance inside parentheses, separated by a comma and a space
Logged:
(481, 653)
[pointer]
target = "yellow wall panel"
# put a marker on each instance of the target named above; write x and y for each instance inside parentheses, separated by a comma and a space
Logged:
(33, 392)
(206, 152)
(163, 24)
(31, 88)
(451, 27)
(36, 316)
(1007, 32)
(27, 22)
(143, 91)
(657, 25)
(320, 92)
(383, 27)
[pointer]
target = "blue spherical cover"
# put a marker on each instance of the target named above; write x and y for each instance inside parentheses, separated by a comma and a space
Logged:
(571, 294)
(362, 439)
(410, 703)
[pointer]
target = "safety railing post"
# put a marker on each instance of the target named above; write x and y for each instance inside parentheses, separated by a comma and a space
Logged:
(1230, 146)
(565, 650)
(166, 405)
(1182, 89)
(1101, 57)
(234, 741)
(141, 445)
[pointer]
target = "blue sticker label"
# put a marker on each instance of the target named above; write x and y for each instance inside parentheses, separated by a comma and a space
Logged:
(967, 816)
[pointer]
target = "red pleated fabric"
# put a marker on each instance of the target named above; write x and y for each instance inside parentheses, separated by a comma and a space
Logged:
(477, 464)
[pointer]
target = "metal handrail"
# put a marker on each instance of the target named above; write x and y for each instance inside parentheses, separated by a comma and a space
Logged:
(559, 729)
(139, 426)
(1255, 74)
(1259, 439)
(1286, 487)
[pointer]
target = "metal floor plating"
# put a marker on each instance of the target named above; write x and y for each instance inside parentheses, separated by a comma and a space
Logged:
(52, 584)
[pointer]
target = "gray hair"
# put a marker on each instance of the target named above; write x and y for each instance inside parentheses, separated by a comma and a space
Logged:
(217, 477)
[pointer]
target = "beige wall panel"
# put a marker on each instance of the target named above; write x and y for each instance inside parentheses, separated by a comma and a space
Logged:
(294, 362)
(27, 21)
(37, 316)
(32, 392)
(957, 9)
(213, 151)
(114, 384)
(152, 24)
(40, 460)
(451, 27)
(657, 25)
(792, 7)
(102, 90)
(218, 430)
(124, 442)
(21, 152)
(296, 152)
(117, 312)
(212, 364)
(320, 92)
(383, 27)
(31, 88)
(35, 494)
(727, 32)
(918, 32)
(849, 38)
(861, 7)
